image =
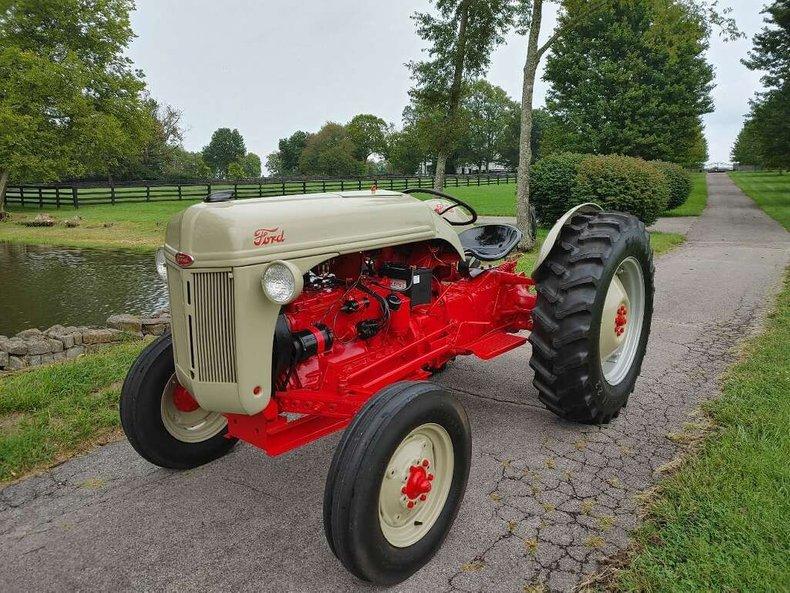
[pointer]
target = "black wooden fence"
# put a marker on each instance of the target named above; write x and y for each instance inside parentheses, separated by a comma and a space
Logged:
(88, 193)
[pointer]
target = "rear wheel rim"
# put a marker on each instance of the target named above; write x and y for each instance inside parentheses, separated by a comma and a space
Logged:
(189, 427)
(621, 321)
(416, 485)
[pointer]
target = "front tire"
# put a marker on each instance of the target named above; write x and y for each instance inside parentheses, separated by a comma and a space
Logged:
(592, 318)
(396, 481)
(158, 426)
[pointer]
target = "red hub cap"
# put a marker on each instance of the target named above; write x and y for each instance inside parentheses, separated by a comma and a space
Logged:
(183, 400)
(621, 320)
(418, 484)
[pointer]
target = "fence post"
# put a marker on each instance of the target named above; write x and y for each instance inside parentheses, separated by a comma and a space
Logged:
(304, 187)
(407, 183)
(323, 185)
(392, 186)
(74, 199)
(57, 196)
(260, 189)
(342, 185)
(40, 198)
(235, 191)
(147, 193)
(283, 184)
(112, 194)
(179, 190)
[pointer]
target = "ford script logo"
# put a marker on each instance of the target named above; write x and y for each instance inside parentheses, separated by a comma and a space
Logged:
(267, 236)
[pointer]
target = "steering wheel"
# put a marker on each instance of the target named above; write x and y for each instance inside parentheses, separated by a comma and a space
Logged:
(456, 204)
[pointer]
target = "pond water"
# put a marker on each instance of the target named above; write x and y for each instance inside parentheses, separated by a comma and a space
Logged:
(43, 286)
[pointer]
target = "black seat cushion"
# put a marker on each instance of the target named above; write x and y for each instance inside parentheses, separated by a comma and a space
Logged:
(490, 242)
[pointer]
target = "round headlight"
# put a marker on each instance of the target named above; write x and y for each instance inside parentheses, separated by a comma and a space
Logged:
(282, 282)
(161, 264)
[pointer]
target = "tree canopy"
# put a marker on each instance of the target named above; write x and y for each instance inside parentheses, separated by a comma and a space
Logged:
(226, 147)
(70, 102)
(631, 78)
(765, 137)
(330, 151)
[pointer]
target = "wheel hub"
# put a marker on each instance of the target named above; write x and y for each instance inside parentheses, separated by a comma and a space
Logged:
(418, 483)
(183, 400)
(621, 320)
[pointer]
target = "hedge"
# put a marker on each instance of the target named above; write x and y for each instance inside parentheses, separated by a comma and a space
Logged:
(551, 184)
(678, 181)
(559, 182)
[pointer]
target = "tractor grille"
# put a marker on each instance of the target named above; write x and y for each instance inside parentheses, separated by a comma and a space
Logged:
(212, 337)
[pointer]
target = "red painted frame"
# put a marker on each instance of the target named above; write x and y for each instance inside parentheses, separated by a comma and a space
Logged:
(468, 315)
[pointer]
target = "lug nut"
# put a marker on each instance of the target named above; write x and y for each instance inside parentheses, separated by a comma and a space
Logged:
(423, 497)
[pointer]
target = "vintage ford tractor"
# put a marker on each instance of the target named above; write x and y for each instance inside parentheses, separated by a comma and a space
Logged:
(294, 317)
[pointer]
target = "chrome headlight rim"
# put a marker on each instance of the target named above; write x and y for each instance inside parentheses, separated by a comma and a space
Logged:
(287, 272)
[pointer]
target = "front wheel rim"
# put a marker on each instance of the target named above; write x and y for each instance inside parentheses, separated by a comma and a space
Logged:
(193, 426)
(621, 321)
(416, 484)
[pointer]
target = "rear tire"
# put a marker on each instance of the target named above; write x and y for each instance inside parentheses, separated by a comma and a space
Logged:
(378, 526)
(143, 415)
(581, 372)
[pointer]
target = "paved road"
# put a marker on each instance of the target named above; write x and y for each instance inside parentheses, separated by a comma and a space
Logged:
(546, 500)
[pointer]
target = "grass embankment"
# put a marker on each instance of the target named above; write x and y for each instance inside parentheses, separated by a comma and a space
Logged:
(721, 522)
(771, 192)
(141, 226)
(696, 202)
(51, 413)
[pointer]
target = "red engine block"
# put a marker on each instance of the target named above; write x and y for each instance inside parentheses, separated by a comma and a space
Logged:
(466, 315)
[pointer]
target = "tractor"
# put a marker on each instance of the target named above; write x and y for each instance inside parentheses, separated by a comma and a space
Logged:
(295, 317)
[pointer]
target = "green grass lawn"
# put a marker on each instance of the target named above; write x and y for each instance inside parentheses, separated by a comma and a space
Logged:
(696, 202)
(771, 192)
(721, 522)
(50, 413)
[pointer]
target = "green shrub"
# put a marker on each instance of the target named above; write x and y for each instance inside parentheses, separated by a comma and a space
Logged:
(622, 183)
(551, 185)
(678, 182)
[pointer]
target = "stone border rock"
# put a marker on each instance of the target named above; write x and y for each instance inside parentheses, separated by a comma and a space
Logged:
(34, 347)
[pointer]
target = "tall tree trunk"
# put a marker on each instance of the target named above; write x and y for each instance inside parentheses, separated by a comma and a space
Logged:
(3, 187)
(459, 59)
(525, 141)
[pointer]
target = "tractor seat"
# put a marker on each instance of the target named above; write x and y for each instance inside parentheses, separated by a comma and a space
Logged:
(490, 242)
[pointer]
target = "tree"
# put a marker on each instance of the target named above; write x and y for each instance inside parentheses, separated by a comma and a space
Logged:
(369, 135)
(507, 148)
(158, 152)
(461, 37)
(226, 147)
(274, 163)
(405, 154)
(70, 102)
(185, 165)
(487, 111)
(771, 46)
(704, 11)
(630, 77)
(291, 151)
(330, 152)
(766, 133)
(748, 147)
(251, 166)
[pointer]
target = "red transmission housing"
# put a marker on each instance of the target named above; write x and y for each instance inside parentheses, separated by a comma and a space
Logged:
(368, 335)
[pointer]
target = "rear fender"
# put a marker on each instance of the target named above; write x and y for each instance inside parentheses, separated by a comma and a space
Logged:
(554, 233)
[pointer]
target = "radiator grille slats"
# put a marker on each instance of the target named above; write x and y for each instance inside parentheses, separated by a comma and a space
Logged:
(214, 334)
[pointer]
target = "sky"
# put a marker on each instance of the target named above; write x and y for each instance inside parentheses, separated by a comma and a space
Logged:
(271, 67)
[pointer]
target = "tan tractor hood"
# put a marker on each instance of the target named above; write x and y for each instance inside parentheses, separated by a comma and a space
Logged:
(251, 231)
